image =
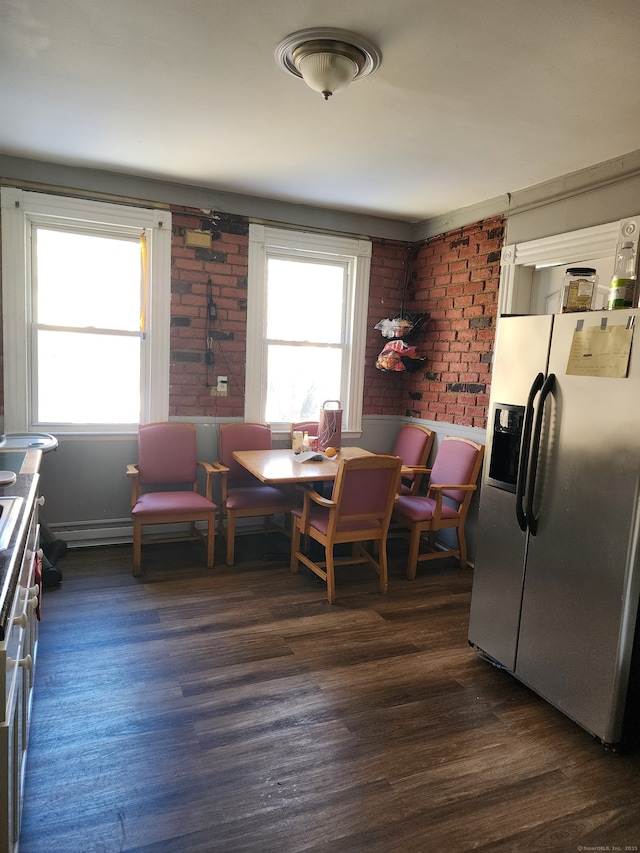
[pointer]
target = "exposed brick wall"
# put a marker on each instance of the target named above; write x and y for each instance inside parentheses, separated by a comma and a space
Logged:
(224, 265)
(383, 391)
(455, 278)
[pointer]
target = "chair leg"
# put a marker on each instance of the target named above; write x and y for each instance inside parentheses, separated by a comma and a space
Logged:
(462, 545)
(295, 544)
(331, 576)
(382, 563)
(231, 535)
(414, 548)
(211, 537)
(137, 547)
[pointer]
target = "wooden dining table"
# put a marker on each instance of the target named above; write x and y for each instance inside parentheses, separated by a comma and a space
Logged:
(281, 466)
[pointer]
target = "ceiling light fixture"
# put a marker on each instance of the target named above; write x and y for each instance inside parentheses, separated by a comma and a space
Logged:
(327, 60)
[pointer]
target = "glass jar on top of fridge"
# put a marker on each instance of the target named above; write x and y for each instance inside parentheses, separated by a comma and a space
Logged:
(579, 287)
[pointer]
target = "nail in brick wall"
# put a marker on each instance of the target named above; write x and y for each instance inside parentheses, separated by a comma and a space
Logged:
(224, 265)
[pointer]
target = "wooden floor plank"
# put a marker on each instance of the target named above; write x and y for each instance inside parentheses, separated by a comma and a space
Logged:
(233, 709)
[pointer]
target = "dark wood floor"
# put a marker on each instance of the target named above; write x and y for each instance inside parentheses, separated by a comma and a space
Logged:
(235, 710)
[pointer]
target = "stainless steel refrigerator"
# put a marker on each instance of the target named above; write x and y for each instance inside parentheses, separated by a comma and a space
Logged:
(557, 574)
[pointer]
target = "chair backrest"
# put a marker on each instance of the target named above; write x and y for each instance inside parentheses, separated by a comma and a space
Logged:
(457, 462)
(166, 453)
(413, 445)
(365, 487)
(241, 436)
(305, 426)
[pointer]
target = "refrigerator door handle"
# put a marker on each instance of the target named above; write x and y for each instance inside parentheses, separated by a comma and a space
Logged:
(547, 388)
(525, 447)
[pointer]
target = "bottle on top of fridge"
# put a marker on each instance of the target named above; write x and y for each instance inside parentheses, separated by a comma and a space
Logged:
(623, 282)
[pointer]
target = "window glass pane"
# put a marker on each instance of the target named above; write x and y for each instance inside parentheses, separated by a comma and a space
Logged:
(305, 301)
(300, 379)
(86, 280)
(84, 378)
(308, 294)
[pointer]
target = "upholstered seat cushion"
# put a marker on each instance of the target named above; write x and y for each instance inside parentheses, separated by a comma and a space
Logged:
(416, 508)
(252, 497)
(168, 502)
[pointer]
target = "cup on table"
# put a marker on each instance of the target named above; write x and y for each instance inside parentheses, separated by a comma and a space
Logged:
(296, 441)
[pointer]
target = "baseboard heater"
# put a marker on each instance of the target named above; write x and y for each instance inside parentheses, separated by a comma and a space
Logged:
(119, 531)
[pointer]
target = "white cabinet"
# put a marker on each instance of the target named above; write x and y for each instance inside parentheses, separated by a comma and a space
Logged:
(18, 651)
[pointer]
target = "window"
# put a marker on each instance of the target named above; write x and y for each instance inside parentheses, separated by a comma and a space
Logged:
(86, 314)
(306, 330)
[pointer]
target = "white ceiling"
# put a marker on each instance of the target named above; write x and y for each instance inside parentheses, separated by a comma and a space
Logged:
(474, 98)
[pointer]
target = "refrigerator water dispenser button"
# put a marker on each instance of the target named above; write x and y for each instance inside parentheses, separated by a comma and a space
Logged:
(505, 446)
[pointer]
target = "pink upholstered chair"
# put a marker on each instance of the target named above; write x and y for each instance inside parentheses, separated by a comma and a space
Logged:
(310, 427)
(164, 485)
(359, 511)
(243, 495)
(452, 481)
(413, 445)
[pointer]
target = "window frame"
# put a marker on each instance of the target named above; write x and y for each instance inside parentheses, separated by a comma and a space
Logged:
(20, 211)
(300, 245)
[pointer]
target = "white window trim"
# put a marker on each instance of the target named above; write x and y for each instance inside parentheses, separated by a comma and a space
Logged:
(19, 210)
(261, 238)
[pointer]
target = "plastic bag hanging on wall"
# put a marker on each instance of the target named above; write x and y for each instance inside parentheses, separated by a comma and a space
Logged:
(398, 356)
(404, 325)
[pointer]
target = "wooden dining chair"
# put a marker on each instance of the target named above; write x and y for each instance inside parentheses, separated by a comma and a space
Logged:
(452, 481)
(413, 445)
(243, 495)
(310, 427)
(358, 512)
(164, 487)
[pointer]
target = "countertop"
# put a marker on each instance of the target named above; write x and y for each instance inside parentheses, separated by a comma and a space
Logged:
(26, 464)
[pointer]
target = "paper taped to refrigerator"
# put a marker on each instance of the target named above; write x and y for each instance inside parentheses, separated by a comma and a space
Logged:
(597, 351)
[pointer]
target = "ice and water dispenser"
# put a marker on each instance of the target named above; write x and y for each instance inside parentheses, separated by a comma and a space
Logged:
(506, 437)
